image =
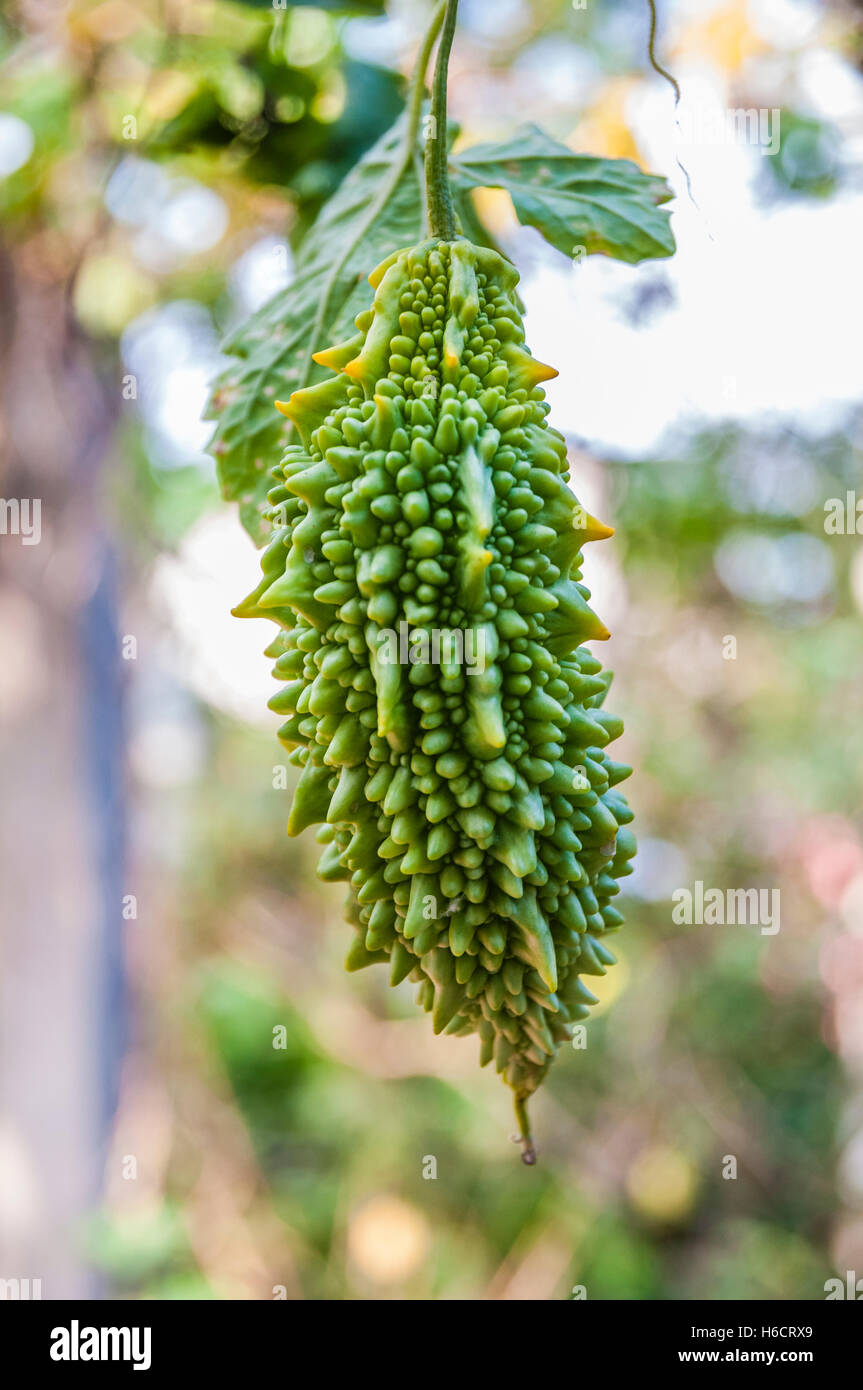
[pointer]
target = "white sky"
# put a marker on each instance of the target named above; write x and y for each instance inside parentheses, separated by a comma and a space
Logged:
(767, 303)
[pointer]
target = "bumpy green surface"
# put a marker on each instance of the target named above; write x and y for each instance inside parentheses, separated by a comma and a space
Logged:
(473, 812)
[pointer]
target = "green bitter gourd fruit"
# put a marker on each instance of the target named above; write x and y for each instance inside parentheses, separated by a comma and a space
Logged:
(466, 797)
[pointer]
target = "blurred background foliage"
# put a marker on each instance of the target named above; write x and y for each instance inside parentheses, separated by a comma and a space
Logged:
(298, 1130)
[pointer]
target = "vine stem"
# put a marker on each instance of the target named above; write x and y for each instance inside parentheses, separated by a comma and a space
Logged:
(651, 53)
(528, 1152)
(438, 193)
(399, 166)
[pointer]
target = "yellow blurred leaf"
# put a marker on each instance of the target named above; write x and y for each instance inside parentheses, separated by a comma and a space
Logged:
(387, 1240)
(608, 988)
(167, 93)
(495, 209)
(603, 128)
(109, 292)
(662, 1185)
(726, 37)
(110, 22)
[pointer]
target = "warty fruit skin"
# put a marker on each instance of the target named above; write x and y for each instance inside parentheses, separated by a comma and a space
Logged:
(472, 809)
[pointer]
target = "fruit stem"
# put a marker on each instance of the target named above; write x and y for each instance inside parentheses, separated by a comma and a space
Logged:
(528, 1152)
(651, 53)
(438, 193)
(397, 170)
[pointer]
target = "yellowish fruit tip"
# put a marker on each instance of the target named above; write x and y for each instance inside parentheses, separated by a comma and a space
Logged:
(596, 530)
(542, 372)
(324, 358)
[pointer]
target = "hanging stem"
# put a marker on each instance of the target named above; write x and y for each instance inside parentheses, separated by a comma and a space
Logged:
(418, 81)
(388, 187)
(651, 53)
(528, 1152)
(438, 193)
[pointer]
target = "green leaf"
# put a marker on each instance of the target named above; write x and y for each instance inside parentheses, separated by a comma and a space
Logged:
(605, 205)
(272, 349)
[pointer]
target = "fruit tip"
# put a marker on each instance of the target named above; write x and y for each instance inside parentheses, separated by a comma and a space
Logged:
(524, 1136)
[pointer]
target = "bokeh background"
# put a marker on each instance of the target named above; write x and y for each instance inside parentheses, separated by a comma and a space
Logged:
(157, 163)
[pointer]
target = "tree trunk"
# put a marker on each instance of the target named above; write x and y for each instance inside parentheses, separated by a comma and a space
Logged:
(61, 820)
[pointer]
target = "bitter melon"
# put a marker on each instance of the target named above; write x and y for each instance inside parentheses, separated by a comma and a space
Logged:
(425, 570)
